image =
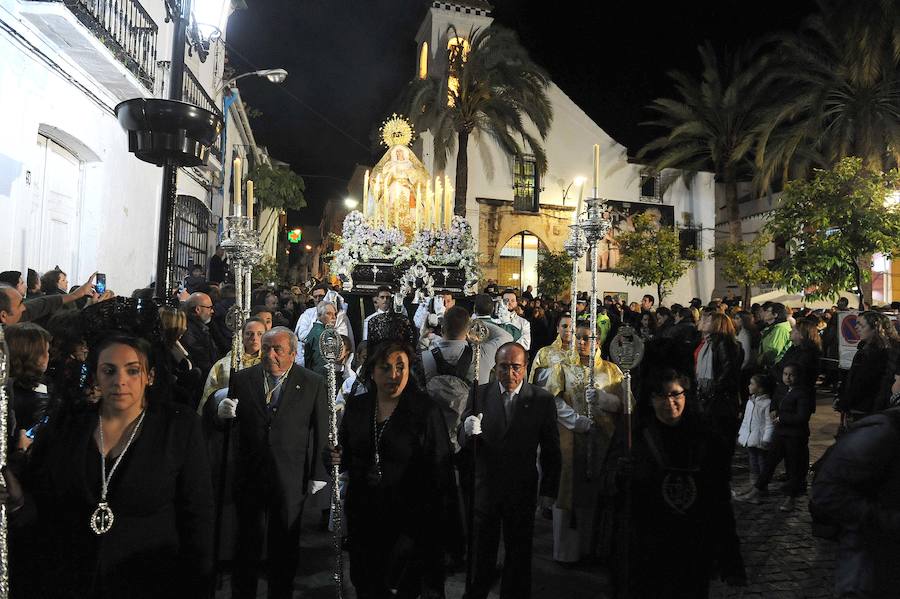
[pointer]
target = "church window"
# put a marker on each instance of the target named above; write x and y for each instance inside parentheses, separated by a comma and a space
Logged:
(423, 61)
(650, 187)
(526, 184)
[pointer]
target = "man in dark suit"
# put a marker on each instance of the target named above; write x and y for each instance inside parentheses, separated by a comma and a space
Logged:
(282, 415)
(511, 420)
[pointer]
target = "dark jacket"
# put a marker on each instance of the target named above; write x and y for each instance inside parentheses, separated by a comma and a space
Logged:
(160, 544)
(721, 400)
(506, 457)
(218, 269)
(858, 487)
(415, 500)
(201, 347)
(807, 356)
(677, 514)
(31, 405)
(794, 411)
(863, 387)
(278, 450)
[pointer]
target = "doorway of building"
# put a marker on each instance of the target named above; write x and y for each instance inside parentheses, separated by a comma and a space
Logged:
(517, 267)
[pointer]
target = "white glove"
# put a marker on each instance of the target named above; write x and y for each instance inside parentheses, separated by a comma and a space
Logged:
(227, 408)
(315, 486)
(473, 425)
(582, 424)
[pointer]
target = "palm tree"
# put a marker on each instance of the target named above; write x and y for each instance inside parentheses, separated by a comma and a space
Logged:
(839, 92)
(490, 87)
(713, 124)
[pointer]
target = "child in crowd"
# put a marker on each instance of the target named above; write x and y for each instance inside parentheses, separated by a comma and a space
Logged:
(790, 441)
(758, 426)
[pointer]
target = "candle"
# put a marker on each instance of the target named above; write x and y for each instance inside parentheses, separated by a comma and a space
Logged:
(418, 206)
(426, 208)
(374, 207)
(580, 200)
(596, 170)
(365, 195)
(237, 174)
(438, 202)
(250, 201)
(396, 205)
(448, 202)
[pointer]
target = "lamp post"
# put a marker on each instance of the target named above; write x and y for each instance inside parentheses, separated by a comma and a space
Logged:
(579, 181)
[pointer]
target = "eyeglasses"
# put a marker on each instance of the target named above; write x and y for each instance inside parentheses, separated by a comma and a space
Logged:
(669, 395)
(319, 298)
(583, 337)
(207, 307)
(513, 367)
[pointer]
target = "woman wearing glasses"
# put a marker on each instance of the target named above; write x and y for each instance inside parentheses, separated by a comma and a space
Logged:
(584, 436)
(672, 499)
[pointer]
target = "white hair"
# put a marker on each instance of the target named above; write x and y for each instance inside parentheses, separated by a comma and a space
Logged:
(292, 338)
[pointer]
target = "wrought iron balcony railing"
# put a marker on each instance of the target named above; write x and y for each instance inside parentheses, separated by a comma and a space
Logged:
(192, 92)
(125, 28)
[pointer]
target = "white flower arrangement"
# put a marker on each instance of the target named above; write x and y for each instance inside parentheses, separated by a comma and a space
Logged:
(361, 242)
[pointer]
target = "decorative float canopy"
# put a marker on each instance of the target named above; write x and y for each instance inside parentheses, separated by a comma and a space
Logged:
(405, 228)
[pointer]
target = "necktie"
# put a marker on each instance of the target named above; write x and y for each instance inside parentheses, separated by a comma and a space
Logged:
(508, 405)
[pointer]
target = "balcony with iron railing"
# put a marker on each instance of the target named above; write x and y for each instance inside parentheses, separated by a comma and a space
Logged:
(90, 30)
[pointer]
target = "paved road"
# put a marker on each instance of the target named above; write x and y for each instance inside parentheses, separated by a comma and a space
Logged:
(784, 561)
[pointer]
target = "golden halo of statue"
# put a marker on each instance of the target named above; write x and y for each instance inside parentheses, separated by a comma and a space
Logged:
(396, 131)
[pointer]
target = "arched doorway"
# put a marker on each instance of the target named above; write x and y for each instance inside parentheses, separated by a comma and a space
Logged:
(517, 266)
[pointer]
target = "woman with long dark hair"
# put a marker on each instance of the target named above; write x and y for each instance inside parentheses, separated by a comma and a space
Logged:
(116, 498)
(866, 388)
(401, 497)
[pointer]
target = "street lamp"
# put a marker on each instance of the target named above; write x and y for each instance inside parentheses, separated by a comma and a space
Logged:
(579, 181)
(273, 75)
(351, 203)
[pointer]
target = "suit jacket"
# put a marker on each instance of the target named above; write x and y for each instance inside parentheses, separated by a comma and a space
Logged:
(277, 450)
(506, 456)
(201, 347)
(160, 544)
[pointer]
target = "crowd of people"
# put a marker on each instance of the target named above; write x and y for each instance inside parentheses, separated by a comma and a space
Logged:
(144, 460)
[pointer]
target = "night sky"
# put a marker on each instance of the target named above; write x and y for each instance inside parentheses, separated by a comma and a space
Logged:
(349, 59)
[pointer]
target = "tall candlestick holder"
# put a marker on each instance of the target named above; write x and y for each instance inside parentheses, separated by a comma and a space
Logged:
(241, 244)
(595, 225)
(4, 437)
(575, 246)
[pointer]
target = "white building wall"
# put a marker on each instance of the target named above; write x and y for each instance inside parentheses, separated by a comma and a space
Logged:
(45, 91)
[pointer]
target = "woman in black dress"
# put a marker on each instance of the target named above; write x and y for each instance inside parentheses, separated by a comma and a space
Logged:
(401, 498)
(115, 498)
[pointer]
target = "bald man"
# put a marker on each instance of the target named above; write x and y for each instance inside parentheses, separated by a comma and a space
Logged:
(197, 340)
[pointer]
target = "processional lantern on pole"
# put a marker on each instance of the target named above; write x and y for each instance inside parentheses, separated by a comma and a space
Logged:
(626, 350)
(331, 346)
(478, 333)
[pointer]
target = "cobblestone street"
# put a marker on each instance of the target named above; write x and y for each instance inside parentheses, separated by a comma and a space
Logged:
(783, 559)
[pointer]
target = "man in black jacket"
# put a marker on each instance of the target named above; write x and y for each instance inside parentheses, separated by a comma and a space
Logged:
(516, 418)
(197, 340)
(282, 415)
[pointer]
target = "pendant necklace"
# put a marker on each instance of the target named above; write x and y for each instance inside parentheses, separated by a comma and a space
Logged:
(102, 518)
(377, 434)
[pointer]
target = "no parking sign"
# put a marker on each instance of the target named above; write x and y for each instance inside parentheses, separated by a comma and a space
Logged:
(848, 338)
